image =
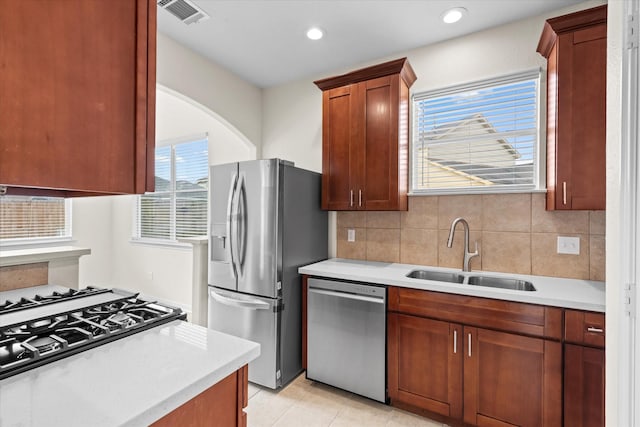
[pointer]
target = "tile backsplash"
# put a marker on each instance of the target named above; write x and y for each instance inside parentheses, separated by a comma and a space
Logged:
(515, 234)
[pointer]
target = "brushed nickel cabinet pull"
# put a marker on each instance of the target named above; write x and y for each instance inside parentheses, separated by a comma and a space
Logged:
(455, 341)
(469, 344)
(596, 330)
(351, 198)
(359, 197)
(564, 192)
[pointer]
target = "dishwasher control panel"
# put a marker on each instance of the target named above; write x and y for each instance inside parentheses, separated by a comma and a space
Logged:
(348, 287)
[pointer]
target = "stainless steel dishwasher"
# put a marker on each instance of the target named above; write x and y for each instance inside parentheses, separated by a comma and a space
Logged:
(346, 336)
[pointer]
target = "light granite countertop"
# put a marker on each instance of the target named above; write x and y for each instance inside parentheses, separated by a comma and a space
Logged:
(133, 381)
(552, 291)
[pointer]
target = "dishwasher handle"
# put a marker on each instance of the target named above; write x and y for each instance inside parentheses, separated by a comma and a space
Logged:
(347, 295)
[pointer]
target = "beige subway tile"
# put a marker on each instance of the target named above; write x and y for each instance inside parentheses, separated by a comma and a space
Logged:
(351, 219)
(383, 220)
(597, 258)
(543, 221)
(422, 213)
(419, 246)
(468, 207)
(545, 261)
(452, 257)
(506, 212)
(597, 222)
(506, 252)
(351, 250)
(383, 244)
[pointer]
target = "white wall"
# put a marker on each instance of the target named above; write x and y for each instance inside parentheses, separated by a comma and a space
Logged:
(232, 98)
(614, 354)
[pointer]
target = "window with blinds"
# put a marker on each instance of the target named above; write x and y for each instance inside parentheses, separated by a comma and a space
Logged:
(480, 137)
(178, 207)
(25, 220)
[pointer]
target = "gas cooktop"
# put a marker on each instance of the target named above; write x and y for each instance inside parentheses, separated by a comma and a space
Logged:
(44, 328)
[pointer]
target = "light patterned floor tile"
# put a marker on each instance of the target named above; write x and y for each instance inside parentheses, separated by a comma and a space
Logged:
(305, 403)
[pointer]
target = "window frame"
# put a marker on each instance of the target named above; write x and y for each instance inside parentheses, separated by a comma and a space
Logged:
(173, 241)
(539, 168)
(18, 242)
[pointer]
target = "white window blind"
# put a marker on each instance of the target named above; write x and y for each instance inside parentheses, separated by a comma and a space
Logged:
(481, 137)
(178, 207)
(26, 220)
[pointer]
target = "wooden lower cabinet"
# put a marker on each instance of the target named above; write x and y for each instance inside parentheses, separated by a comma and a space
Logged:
(511, 380)
(220, 405)
(584, 381)
(473, 375)
(425, 364)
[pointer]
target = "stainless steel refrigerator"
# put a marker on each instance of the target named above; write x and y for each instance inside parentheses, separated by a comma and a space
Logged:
(266, 222)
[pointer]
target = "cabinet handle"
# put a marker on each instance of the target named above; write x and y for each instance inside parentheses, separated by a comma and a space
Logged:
(469, 344)
(455, 341)
(351, 198)
(564, 192)
(359, 197)
(596, 330)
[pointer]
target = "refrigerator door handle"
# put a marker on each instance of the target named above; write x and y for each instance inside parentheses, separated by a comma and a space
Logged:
(250, 304)
(239, 234)
(232, 243)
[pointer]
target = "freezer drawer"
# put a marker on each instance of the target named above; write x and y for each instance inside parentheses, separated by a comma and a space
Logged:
(346, 336)
(255, 319)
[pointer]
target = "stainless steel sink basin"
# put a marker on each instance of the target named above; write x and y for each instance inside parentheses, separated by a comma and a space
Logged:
(440, 276)
(501, 282)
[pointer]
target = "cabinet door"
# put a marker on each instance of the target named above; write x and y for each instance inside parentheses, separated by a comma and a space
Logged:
(425, 364)
(511, 380)
(380, 142)
(583, 386)
(340, 163)
(581, 119)
(78, 95)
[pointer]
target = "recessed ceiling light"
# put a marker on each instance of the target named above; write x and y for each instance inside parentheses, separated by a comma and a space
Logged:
(453, 15)
(315, 33)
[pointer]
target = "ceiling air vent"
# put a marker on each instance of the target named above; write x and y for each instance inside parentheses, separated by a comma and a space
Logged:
(184, 10)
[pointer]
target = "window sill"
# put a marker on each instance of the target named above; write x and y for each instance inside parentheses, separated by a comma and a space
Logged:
(35, 255)
(468, 192)
(168, 244)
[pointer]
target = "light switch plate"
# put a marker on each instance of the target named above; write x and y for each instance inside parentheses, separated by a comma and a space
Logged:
(351, 235)
(569, 245)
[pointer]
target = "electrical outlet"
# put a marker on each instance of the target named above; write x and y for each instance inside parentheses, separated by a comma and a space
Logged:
(351, 235)
(569, 245)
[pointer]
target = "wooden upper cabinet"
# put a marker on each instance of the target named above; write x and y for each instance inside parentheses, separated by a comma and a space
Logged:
(365, 138)
(77, 110)
(575, 46)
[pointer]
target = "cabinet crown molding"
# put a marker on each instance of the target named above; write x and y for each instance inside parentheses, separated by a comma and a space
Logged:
(398, 66)
(553, 27)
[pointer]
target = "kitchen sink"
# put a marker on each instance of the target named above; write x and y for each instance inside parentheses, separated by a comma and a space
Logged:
(501, 282)
(440, 276)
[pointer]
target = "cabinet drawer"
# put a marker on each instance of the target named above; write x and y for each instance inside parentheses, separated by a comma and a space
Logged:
(528, 319)
(584, 327)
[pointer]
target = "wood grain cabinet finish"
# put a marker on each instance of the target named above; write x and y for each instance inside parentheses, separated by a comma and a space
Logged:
(365, 138)
(425, 363)
(474, 360)
(77, 110)
(220, 405)
(584, 369)
(575, 46)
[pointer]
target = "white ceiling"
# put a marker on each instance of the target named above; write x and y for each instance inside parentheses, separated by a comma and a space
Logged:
(264, 41)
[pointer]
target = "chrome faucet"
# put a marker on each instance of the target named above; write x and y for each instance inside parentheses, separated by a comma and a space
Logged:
(467, 255)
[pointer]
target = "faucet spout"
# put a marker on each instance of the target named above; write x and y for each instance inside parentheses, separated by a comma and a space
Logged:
(467, 254)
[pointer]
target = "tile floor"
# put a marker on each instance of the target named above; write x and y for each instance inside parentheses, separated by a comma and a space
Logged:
(304, 403)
